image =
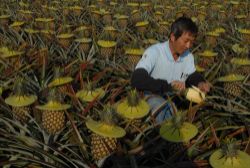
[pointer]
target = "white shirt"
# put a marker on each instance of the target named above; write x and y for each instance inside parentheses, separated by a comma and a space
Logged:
(159, 62)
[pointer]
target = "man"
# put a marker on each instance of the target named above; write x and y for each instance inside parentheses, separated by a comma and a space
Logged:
(169, 65)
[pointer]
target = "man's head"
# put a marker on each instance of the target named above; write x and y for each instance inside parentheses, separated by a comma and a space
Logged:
(182, 35)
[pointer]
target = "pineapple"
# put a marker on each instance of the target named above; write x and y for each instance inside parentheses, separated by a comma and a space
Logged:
(4, 19)
(53, 121)
(134, 55)
(212, 38)
(101, 146)
(65, 39)
(53, 117)
(142, 26)
(17, 25)
(106, 17)
(245, 35)
(163, 28)
(231, 85)
(59, 81)
(207, 58)
(229, 156)
(133, 108)
(177, 130)
(122, 21)
(105, 133)
(12, 57)
(88, 94)
(194, 94)
(243, 66)
(84, 44)
(20, 101)
(107, 48)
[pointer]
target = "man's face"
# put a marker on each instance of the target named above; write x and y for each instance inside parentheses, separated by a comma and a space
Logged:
(184, 42)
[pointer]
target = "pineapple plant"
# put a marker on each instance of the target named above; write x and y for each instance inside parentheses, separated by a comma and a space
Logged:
(142, 26)
(12, 57)
(53, 117)
(84, 44)
(231, 85)
(212, 38)
(245, 35)
(133, 108)
(83, 31)
(27, 15)
(176, 129)
(243, 66)
(45, 23)
(106, 17)
(76, 10)
(122, 21)
(20, 101)
(207, 58)
(107, 45)
(60, 81)
(135, 16)
(163, 28)
(177, 132)
(105, 133)
(65, 39)
(229, 156)
(134, 53)
(111, 31)
(4, 19)
(89, 93)
(17, 26)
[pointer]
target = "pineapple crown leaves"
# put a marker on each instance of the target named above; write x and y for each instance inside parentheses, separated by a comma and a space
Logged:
(239, 50)
(54, 95)
(108, 115)
(106, 36)
(20, 87)
(133, 98)
(58, 72)
(178, 119)
(229, 148)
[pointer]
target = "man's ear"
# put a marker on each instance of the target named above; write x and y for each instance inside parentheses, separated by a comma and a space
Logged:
(172, 37)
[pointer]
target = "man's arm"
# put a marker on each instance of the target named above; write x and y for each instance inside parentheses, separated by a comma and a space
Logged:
(197, 80)
(141, 80)
(194, 79)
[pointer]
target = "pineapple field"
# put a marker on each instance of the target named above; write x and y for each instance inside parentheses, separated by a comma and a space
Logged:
(65, 95)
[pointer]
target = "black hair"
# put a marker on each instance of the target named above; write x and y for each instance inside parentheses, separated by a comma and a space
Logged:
(183, 24)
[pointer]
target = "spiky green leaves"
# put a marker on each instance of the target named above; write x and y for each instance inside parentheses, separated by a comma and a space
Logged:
(177, 130)
(133, 107)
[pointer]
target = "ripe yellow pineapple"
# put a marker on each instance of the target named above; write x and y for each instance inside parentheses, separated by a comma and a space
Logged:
(229, 156)
(231, 85)
(177, 132)
(53, 121)
(105, 133)
(207, 58)
(133, 108)
(243, 65)
(102, 146)
(107, 48)
(20, 101)
(60, 81)
(53, 117)
(89, 93)
(21, 113)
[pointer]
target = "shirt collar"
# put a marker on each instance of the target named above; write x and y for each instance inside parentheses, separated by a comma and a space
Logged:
(170, 56)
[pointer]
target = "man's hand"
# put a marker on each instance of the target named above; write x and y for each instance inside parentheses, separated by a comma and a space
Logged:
(204, 86)
(178, 85)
